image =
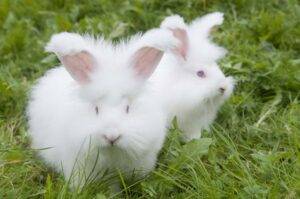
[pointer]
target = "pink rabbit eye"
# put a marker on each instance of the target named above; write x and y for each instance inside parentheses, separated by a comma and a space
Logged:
(201, 74)
(127, 109)
(97, 110)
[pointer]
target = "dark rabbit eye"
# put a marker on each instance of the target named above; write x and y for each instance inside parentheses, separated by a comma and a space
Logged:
(97, 110)
(201, 74)
(127, 109)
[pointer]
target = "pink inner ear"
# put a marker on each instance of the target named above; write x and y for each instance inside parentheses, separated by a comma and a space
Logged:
(79, 65)
(183, 38)
(145, 61)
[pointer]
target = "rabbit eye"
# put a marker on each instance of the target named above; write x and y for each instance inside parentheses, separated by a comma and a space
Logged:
(201, 74)
(127, 109)
(97, 110)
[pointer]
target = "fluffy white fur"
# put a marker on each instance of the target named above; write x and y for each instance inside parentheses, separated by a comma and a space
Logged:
(72, 121)
(194, 100)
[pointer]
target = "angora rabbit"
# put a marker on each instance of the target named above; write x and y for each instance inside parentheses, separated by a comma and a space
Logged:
(96, 105)
(189, 79)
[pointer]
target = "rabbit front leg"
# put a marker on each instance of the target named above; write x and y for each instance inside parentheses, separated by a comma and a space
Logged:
(191, 133)
(83, 168)
(194, 123)
(192, 127)
(76, 174)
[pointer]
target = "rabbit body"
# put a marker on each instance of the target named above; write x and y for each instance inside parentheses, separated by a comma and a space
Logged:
(94, 114)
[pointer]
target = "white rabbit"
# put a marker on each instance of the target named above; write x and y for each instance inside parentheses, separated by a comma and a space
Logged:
(93, 114)
(189, 79)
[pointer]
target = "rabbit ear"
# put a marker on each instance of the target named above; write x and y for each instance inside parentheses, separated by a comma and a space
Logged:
(148, 51)
(145, 60)
(204, 24)
(176, 24)
(72, 51)
(181, 35)
(79, 65)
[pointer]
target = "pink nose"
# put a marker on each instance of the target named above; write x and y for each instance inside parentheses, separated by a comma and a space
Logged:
(222, 90)
(111, 139)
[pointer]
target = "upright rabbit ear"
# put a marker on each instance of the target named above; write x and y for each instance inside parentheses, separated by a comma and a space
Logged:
(181, 35)
(149, 49)
(79, 65)
(145, 60)
(176, 24)
(204, 24)
(71, 50)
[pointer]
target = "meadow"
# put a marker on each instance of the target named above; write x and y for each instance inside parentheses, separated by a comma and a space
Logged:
(253, 148)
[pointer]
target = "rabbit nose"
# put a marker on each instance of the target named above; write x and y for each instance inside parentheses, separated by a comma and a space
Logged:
(222, 90)
(111, 139)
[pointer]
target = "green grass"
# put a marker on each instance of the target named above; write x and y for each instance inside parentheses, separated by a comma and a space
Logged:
(253, 150)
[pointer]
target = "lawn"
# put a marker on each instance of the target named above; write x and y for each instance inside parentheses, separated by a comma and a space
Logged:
(253, 148)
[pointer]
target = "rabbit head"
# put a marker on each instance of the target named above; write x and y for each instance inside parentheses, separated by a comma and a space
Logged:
(109, 79)
(195, 60)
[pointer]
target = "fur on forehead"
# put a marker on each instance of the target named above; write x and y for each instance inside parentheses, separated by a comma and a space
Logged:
(202, 50)
(114, 74)
(112, 83)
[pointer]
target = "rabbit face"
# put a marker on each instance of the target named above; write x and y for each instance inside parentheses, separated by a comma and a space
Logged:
(210, 79)
(124, 127)
(109, 79)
